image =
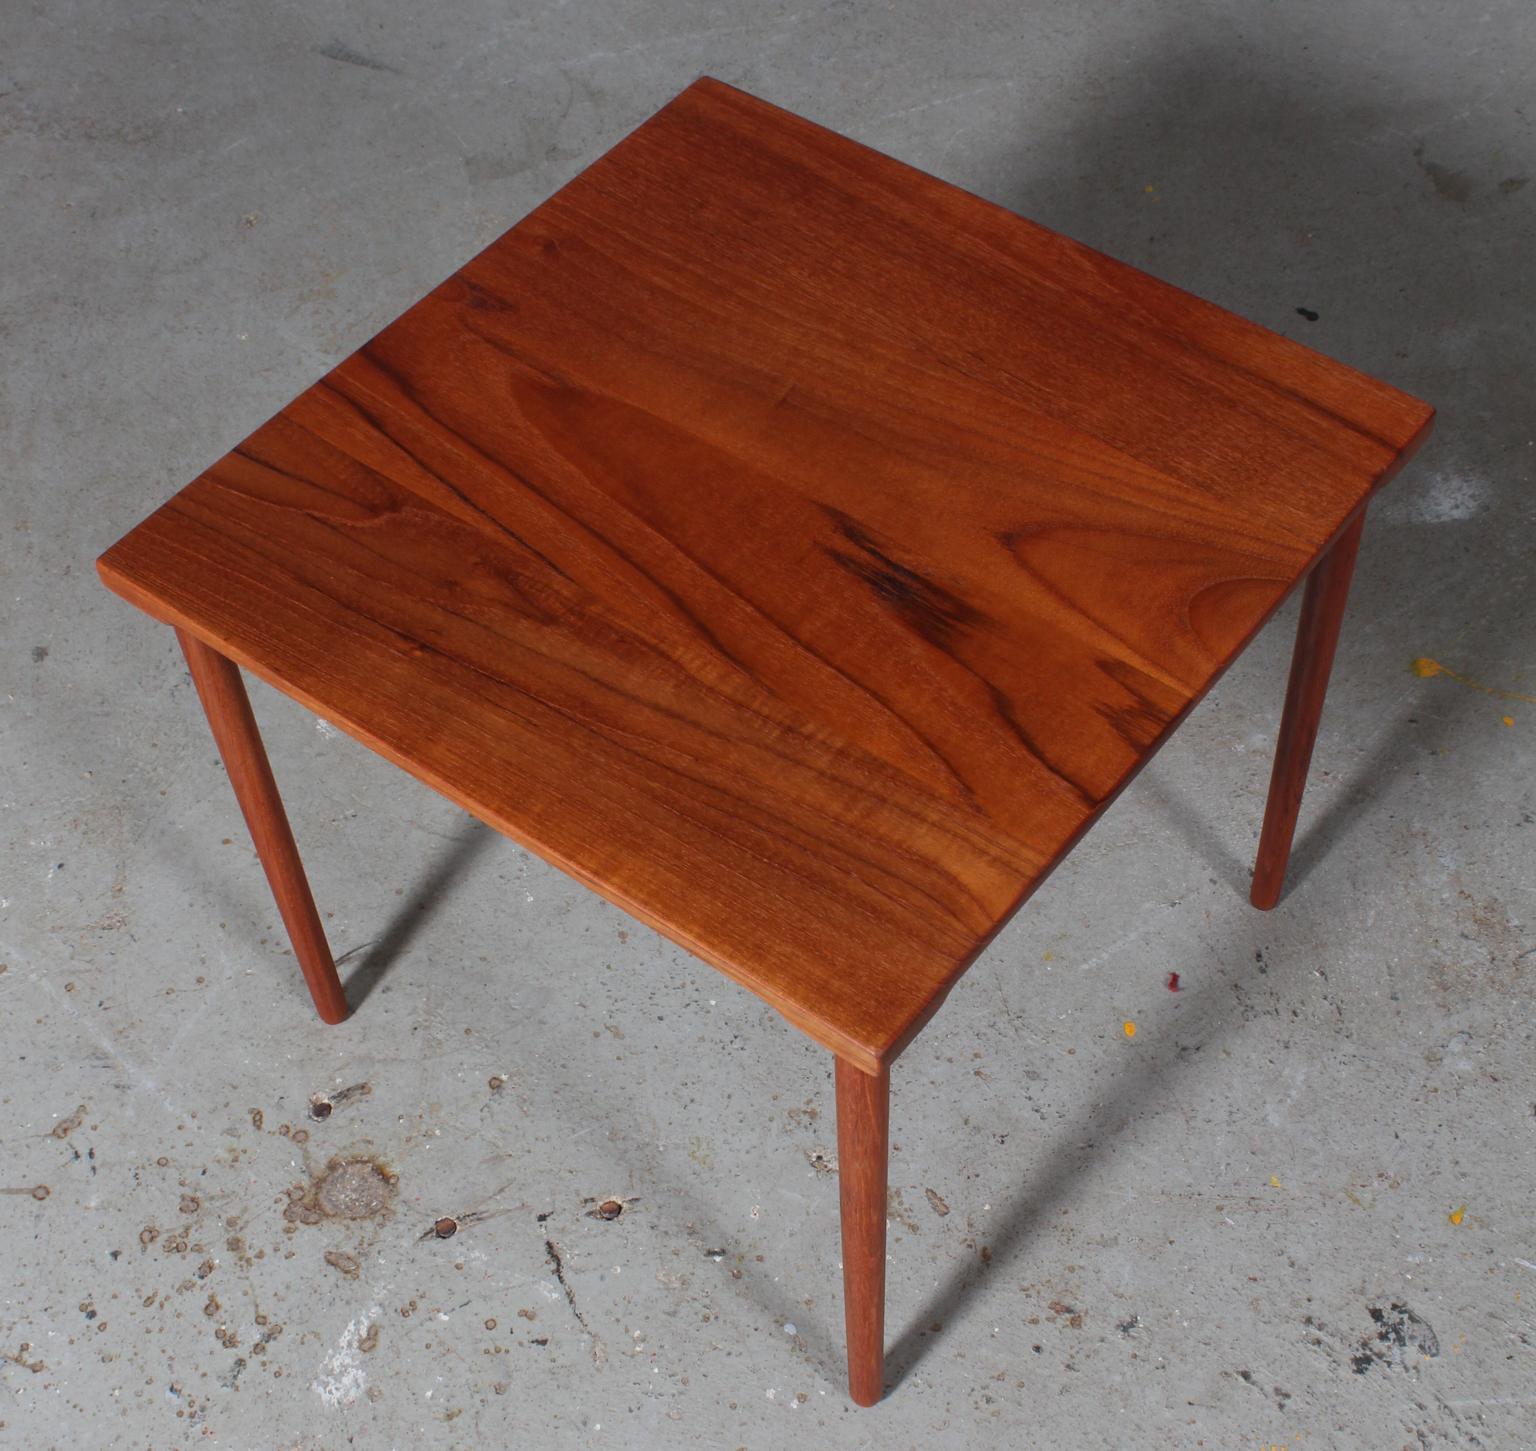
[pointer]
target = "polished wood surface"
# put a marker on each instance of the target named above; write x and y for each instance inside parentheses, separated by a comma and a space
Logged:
(228, 708)
(797, 550)
(1317, 637)
(863, 1136)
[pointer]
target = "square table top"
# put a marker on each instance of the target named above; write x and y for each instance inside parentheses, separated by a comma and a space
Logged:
(795, 549)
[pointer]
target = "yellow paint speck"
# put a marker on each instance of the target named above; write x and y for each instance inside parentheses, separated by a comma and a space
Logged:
(1424, 667)
(1130, 1028)
(1457, 1215)
(1509, 720)
(1274, 1183)
(1049, 955)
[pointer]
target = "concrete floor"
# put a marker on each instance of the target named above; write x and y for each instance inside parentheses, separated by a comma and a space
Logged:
(1243, 1228)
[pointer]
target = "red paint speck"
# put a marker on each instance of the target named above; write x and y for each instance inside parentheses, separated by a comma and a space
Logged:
(1173, 982)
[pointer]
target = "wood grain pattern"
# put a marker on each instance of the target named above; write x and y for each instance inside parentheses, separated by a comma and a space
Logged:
(863, 1138)
(1317, 637)
(797, 550)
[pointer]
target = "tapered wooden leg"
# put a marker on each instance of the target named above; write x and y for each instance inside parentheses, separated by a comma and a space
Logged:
(1322, 611)
(863, 1132)
(222, 692)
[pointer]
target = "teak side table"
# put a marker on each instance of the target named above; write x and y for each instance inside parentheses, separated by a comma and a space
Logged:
(795, 549)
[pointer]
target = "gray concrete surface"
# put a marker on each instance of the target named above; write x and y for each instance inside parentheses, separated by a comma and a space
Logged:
(1234, 1231)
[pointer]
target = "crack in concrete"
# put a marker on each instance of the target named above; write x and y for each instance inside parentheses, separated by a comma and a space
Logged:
(557, 1263)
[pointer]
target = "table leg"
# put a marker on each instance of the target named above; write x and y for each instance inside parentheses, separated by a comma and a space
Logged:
(1322, 610)
(863, 1132)
(222, 692)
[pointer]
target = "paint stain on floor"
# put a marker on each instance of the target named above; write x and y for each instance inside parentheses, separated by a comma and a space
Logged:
(1400, 1338)
(1427, 669)
(360, 1187)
